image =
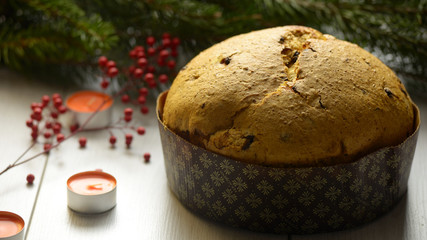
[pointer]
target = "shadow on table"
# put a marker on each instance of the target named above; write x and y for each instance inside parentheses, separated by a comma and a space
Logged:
(101, 220)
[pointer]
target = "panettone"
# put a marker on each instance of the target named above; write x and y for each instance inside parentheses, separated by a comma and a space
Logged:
(289, 96)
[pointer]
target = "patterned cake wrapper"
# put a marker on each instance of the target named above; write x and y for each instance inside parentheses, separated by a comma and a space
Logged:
(285, 200)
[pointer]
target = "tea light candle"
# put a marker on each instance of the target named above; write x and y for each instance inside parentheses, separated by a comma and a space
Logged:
(84, 103)
(11, 226)
(91, 192)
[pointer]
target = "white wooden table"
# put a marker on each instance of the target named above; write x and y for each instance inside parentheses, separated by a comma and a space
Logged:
(146, 208)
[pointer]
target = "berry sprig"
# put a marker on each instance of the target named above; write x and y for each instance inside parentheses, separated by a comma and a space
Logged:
(153, 65)
(44, 121)
(123, 124)
(46, 128)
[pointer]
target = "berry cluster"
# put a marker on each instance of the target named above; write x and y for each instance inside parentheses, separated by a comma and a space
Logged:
(44, 120)
(127, 117)
(152, 65)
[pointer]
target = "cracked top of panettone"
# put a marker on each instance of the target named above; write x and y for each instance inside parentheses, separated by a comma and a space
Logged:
(289, 96)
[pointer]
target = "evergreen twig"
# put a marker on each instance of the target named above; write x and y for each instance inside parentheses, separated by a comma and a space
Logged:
(70, 33)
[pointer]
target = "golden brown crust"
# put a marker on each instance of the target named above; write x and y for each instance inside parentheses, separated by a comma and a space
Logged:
(288, 96)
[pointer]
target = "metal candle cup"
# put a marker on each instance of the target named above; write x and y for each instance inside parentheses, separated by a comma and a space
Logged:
(11, 226)
(91, 192)
(84, 103)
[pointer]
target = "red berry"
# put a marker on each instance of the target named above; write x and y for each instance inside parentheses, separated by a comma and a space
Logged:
(30, 178)
(163, 78)
(143, 91)
(147, 157)
(142, 62)
(112, 72)
(82, 142)
(47, 135)
(161, 62)
(125, 98)
(152, 84)
(34, 135)
(149, 77)
(133, 53)
(62, 109)
(56, 95)
(128, 118)
(37, 117)
(56, 128)
(34, 105)
(47, 147)
(144, 109)
(151, 51)
(164, 54)
(74, 127)
(166, 42)
(104, 84)
(131, 69)
(57, 102)
(160, 48)
(45, 100)
(140, 54)
(60, 137)
(48, 125)
(141, 100)
(151, 40)
(34, 128)
(129, 139)
(171, 64)
(111, 64)
(138, 73)
(29, 123)
(54, 115)
(139, 48)
(113, 139)
(128, 143)
(141, 130)
(128, 111)
(175, 41)
(174, 53)
(37, 111)
(102, 61)
(151, 69)
(166, 35)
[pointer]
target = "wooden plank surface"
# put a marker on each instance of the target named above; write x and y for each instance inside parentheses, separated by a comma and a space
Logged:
(16, 95)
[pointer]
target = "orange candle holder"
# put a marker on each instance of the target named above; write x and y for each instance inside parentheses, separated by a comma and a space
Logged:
(84, 103)
(11, 226)
(91, 192)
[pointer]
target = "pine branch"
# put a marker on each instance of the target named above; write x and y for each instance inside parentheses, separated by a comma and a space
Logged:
(77, 30)
(43, 32)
